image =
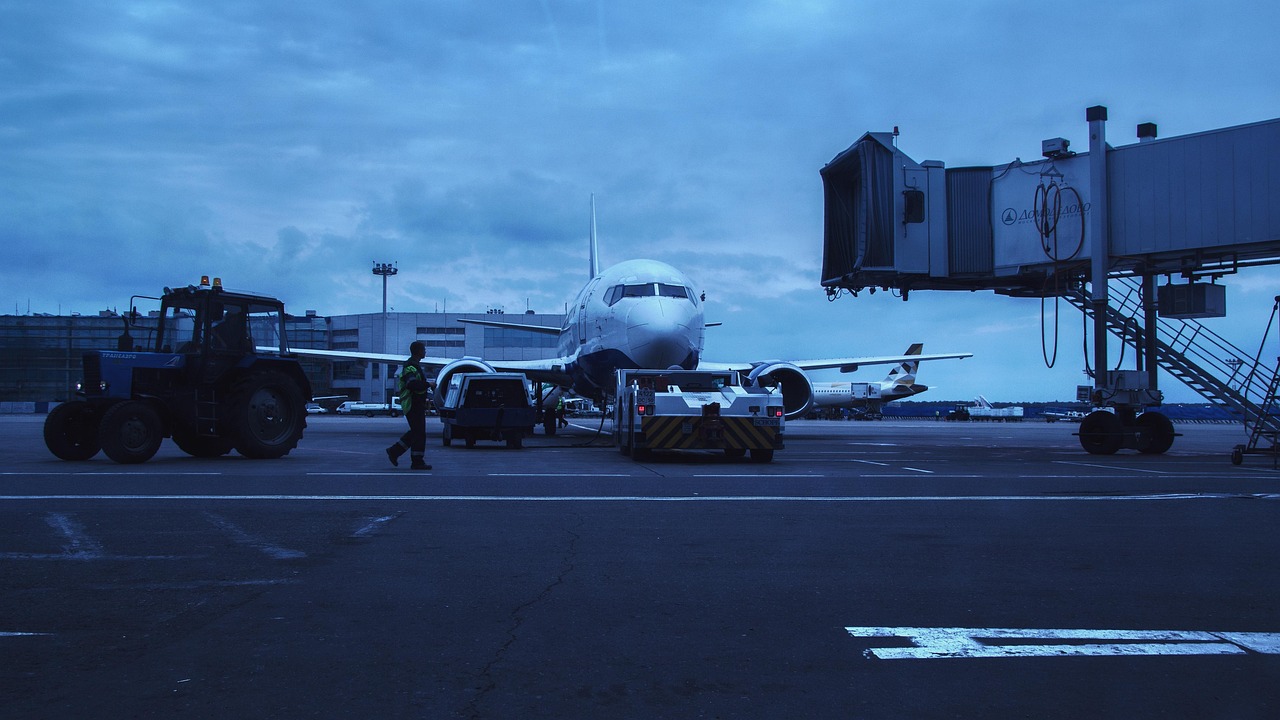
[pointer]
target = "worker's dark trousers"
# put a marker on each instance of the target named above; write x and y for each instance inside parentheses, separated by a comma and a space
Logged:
(416, 439)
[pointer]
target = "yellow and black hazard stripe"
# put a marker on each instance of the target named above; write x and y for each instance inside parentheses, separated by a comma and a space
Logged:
(691, 432)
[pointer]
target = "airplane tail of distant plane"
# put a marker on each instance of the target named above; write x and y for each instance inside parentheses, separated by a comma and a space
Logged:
(905, 373)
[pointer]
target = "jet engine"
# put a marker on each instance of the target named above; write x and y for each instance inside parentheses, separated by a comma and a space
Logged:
(797, 390)
(465, 365)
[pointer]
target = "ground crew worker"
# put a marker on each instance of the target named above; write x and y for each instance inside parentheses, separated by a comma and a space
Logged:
(413, 387)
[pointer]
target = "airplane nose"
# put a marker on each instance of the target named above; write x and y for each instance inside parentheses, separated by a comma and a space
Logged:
(660, 332)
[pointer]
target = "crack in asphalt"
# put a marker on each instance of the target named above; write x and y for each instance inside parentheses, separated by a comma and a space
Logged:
(487, 683)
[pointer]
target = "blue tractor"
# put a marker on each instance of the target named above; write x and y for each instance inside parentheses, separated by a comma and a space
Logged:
(212, 371)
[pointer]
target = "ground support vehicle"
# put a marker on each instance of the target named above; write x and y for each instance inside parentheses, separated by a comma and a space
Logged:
(213, 373)
(695, 410)
(351, 407)
(487, 406)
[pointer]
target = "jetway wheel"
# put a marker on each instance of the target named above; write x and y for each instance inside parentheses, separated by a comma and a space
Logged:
(1101, 433)
(1154, 433)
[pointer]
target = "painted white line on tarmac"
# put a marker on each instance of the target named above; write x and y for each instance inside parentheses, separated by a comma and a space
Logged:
(384, 473)
(553, 475)
(374, 525)
(1111, 467)
(236, 533)
(755, 475)
(658, 498)
(85, 473)
(944, 476)
(79, 545)
(953, 643)
(22, 634)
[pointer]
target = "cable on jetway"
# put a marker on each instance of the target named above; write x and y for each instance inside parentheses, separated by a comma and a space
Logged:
(1046, 209)
(1047, 212)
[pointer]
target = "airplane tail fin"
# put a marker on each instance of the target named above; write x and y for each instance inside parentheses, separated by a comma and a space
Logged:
(591, 248)
(905, 374)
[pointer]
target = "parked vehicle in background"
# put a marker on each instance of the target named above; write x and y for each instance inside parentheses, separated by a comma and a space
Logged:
(354, 407)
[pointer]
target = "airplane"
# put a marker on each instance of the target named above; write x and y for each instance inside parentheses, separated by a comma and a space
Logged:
(870, 397)
(641, 314)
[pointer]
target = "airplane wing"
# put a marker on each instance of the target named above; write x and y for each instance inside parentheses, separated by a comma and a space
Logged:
(846, 364)
(541, 329)
(549, 370)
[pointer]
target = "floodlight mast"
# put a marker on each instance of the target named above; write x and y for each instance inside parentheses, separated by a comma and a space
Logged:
(385, 270)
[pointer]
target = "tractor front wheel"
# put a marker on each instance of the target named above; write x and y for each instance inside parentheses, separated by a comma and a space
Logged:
(131, 432)
(71, 431)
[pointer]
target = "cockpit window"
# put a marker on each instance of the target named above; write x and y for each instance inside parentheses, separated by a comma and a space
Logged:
(617, 292)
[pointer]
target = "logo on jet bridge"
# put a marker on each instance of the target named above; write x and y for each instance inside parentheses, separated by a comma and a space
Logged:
(1011, 216)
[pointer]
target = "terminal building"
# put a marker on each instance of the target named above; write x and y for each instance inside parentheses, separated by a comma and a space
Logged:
(40, 355)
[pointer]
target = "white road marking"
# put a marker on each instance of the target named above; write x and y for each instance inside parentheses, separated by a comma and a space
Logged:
(192, 584)
(1111, 467)
(952, 643)
(79, 545)
(374, 525)
(22, 634)
(756, 475)
(585, 475)
(240, 536)
(85, 473)
(928, 472)
(1164, 497)
(385, 473)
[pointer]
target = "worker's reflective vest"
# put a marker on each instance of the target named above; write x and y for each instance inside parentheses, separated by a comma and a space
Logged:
(408, 375)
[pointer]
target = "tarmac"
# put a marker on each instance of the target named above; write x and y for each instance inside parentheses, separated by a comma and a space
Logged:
(874, 569)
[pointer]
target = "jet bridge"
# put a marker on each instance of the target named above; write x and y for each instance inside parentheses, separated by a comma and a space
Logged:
(1197, 207)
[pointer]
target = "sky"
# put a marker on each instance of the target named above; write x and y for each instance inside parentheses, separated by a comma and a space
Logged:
(287, 147)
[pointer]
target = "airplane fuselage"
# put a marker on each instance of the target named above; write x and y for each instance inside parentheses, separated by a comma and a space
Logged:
(862, 394)
(637, 314)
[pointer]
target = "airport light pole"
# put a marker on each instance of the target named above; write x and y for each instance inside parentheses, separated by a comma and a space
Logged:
(385, 270)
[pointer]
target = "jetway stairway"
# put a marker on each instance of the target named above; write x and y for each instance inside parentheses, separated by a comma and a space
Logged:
(1204, 361)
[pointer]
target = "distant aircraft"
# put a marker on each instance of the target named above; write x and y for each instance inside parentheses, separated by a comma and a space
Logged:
(1068, 415)
(637, 314)
(869, 397)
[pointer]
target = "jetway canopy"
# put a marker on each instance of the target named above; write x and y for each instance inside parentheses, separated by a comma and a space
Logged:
(1194, 204)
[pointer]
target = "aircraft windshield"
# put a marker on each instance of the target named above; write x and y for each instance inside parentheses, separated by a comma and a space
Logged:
(617, 292)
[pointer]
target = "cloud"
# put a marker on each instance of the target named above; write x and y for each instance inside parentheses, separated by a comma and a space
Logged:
(288, 146)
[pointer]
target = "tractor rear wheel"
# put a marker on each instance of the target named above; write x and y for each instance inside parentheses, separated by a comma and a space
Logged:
(131, 432)
(267, 415)
(71, 431)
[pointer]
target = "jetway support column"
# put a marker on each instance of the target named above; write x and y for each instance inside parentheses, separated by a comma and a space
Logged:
(1150, 319)
(1103, 432)
(1099, 243)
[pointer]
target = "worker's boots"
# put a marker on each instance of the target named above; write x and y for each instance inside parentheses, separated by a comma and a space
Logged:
(419, 464)
(394, 452)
